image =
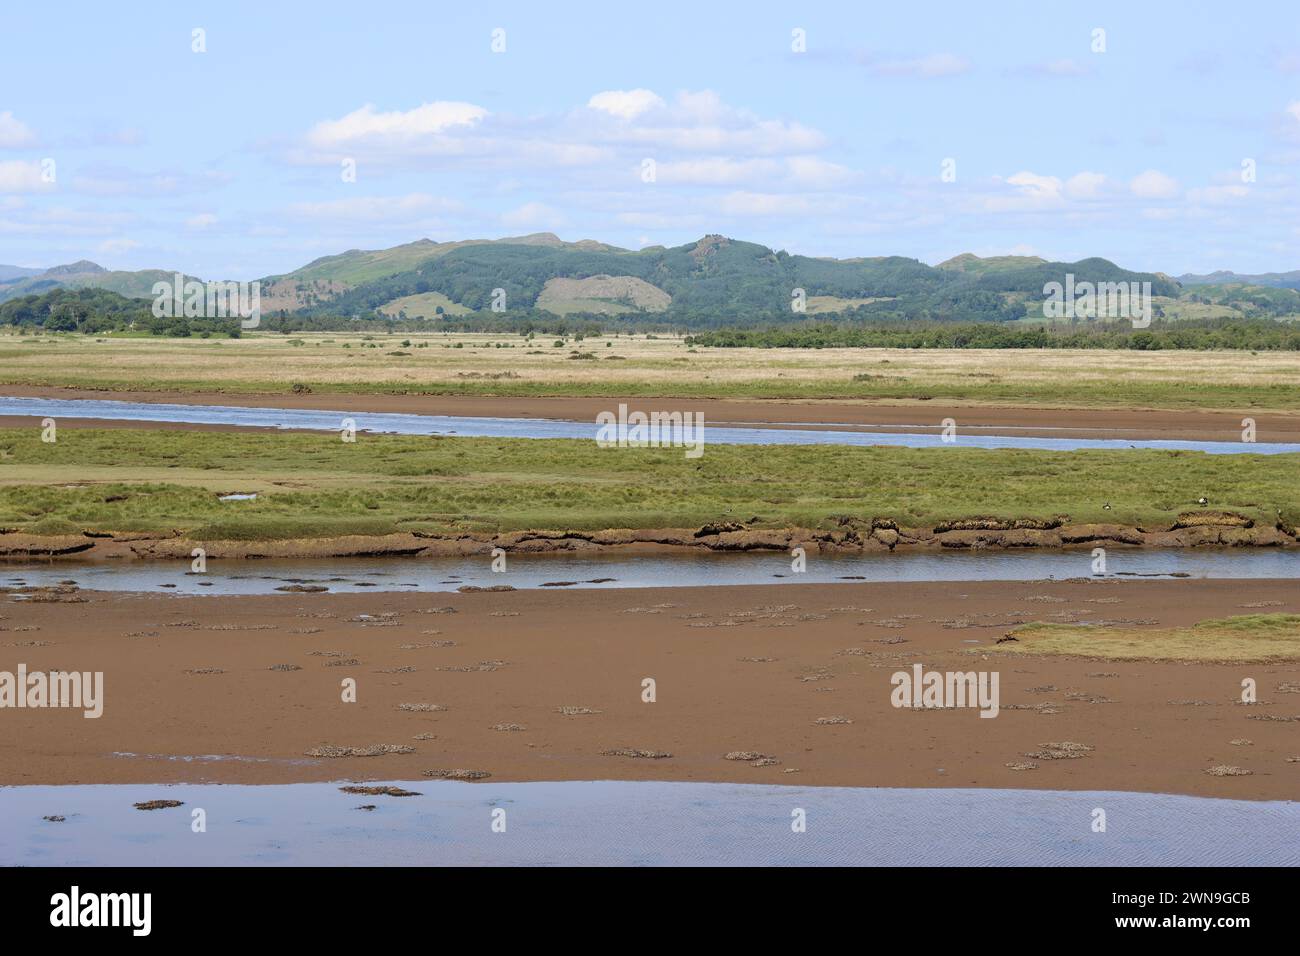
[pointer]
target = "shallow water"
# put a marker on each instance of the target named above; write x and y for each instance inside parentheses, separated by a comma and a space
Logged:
(317, 420)
(637, 823)
(644, 571)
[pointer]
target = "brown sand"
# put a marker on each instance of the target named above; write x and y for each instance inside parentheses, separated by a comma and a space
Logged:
(737, 669)
(1122, 423)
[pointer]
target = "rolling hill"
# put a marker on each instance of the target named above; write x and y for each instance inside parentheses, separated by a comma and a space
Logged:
(713, 281)
(84, 275)
(10, 273)
(1277, 280)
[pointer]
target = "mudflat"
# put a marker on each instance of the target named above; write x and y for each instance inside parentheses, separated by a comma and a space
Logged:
(763, 684)
(879, 415)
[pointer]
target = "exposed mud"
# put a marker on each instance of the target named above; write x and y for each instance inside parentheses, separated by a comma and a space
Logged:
(865, 415)
(851, 535)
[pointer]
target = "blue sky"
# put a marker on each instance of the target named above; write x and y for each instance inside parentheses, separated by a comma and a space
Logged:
(230, 163)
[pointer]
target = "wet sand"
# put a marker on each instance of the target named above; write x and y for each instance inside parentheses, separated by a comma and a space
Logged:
(748, 669)
(914, 417)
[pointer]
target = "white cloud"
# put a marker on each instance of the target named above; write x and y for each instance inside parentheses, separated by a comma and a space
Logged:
(810, 172)
(201, 221)
(1085, 185)
(616, 128)
(656, 220)
(408, 208)
(1218, 195)
(702, 106)
(1294, 110)
(99, 180)
(368, 127)
(931, 65)
(715, 171)
(1021, 249)
(19, 176)
(533, 215)
(700, 122)
(125, 136)
(1153, 184)
(626, 104)
(817, 173)
(762, 204)
(114, 247)
(68, 221)
(1065, 67)
(1031, 192)
(14, 133)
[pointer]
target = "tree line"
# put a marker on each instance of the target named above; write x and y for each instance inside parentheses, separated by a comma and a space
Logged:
(1199, 334)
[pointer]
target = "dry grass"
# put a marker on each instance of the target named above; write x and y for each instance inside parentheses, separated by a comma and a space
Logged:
(1252, 637)
(510, 365)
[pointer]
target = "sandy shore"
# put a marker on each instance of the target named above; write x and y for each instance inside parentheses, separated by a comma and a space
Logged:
(1124, 423)
(736, 669)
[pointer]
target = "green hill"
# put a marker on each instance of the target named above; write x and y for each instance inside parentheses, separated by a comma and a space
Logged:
(357, 266)
(14, 273)
(87, 275)
(712, 282)
(1278, 280)
(973, 264)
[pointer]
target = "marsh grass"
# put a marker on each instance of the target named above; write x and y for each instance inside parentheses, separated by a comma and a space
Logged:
(1250, 637)
(316, 485)
(506, 365)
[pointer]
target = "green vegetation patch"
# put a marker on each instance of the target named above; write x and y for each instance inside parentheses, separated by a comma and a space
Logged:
(1250, 637)
(316, 485)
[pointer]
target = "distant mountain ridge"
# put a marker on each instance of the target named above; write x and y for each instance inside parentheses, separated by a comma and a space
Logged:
(713, 280)
(82, 274)
(1276, 280)
(9, 273)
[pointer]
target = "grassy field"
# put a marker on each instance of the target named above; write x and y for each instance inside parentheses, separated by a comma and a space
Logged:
(483, 364)
(423, 306)
(1171, 310)
(1251, 637)
(317, 485)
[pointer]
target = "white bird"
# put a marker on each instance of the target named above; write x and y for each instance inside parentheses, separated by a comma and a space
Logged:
(1202, 500)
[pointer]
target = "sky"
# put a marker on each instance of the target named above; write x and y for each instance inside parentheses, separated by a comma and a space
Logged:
(238, 140)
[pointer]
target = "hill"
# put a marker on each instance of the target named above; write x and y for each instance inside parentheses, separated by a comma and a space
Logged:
(85, 275)
(1277, 280)
(971, 263)
(96, 311)
(10, 273)
(712, 282)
